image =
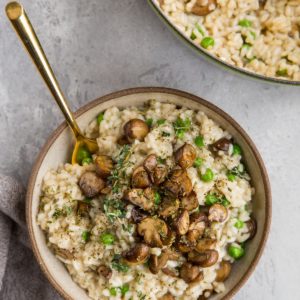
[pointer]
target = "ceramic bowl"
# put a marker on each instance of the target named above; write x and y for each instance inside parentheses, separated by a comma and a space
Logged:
(58, 148)
(212, 58)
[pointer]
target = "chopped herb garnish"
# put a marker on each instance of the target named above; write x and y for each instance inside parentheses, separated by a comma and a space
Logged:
(124, 289)
(85, 236)
(231, 176)
(165, 134)
(157, 198)
(118, 265)
(65, 211)
(161, 122)
(282, 72)
(114, 208)
(193, 36)
(181, 127)
(236, 172)
(245, 23)
(149, 122)
(199, 28)
(161, 160)
(113, 291)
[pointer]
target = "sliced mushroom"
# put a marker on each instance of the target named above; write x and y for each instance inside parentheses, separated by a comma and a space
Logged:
(167, 296)
(137, 255)
(104, 271)
(198, 223)
(182, 222)
(91, 184)
(142, 198)
(222, 144)
(123, 141)
(159, 174)
(150, 163)
(179, 183)
(189, 272)
(203, 7)
(217, 213)
(168, 207)
(138, 215)
(63, 253)
(170, 272)
(205, 244)
(140, 178)
(82, 208)
(173, 254)
(104, 165)
(183, 246)
(223, 271)
(136, 129)
(203, 259)
(170, 238)
(252, 228)
(205, 294)
(190, 202)
(106, 190)
(185, 156)
(156, 263)
(153, 230)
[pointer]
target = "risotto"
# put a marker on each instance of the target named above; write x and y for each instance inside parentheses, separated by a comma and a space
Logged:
(162, 211)
(260, 36)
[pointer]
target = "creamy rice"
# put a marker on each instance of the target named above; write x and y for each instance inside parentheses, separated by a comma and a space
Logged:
(264, 40)
(66, 231)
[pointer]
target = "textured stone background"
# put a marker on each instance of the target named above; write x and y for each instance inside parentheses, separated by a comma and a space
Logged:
(100, 46)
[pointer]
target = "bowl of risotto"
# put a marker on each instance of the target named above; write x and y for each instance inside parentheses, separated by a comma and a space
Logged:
(260, 38)
(176, 203)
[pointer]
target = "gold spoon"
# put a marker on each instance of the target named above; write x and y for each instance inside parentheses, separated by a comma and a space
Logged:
(20, 21)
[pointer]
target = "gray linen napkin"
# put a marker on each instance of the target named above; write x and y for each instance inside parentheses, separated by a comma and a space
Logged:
(20, 276)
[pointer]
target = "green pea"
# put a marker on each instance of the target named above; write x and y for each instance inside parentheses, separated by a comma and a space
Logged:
(225, 202)
(107, 239)
(207, 42)
(211, 199)
(157, 198)
(100, 118)
(85, 236)
(87, 161)
(82, 154)
(124, 289)
(246, 46)
(245, 23)
(236, 252)
(149, 122)
(282, 72)
(207, 176)
(230, 176)
(199, 141)
(180, 134)
(237, 150)
(198, 162)
(113, 291)
(239, 224)
(161, 122)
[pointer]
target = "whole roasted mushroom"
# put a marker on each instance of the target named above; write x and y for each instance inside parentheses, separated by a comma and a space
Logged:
(137, 255)
(179, 183)
(153, 230)
(167, 296)
(190, 273)
(203, 7)
(222, 144)
(185, 156)
(252, 228)
(206, 294)
(205, 244)
(223, 271)
(157, 172)
(217, 213)
(91, 184)
(142, 198)
(138, 215)
(140, 178)
(136, 129)
(104, 165)
(203, 259)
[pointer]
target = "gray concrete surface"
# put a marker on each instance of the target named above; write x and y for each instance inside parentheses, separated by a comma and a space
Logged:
(100, 46)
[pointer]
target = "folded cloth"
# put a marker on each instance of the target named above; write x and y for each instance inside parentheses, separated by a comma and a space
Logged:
(20, 275)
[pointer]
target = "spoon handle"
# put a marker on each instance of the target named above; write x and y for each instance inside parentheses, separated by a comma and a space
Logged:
(21, 23)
